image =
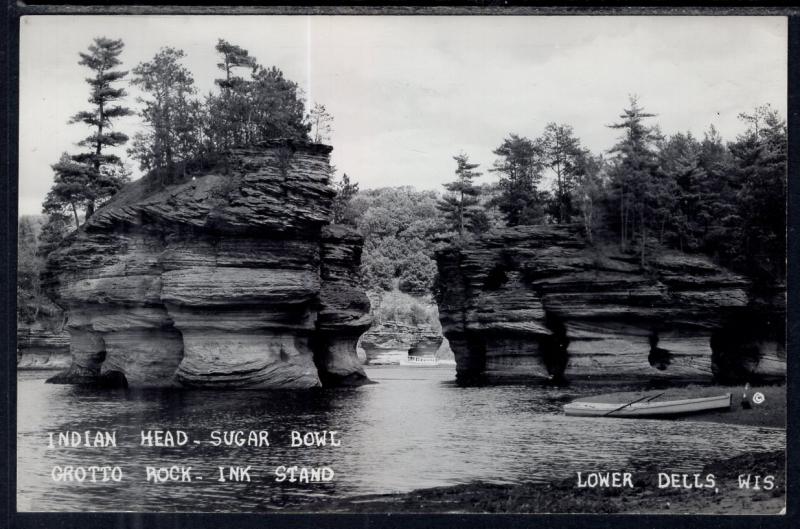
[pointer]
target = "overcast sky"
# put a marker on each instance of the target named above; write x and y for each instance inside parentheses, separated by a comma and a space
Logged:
(407, 93)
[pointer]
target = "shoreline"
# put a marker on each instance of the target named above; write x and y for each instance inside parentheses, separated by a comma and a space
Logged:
(562, 496)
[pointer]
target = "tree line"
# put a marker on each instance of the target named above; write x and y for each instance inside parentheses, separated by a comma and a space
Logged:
(251, 103)
(648, 191)
(723, 199)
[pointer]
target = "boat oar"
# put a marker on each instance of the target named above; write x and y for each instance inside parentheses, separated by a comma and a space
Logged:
(631, 402)
(655, 396)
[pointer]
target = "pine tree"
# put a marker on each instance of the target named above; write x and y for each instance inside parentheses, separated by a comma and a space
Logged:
(71, 191)
(170, 114)
(759, 165)
(718, 216)
(233, 108)
(562, 154)
(634, 174)
(460, 204)
(103, 174)
(588, 189)
(520, 166)
(681, 195)
(278, 110)
(87, 179)
(320, 121)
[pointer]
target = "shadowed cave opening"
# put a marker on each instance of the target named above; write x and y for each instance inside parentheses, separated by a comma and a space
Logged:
(659, 357)
(736, 345)
(112, 379)
(496, 278)
(554, 348)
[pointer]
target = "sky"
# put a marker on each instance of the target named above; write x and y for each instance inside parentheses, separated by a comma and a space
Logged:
(407, 93)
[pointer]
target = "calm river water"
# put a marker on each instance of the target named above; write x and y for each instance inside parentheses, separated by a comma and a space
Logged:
(415, 428)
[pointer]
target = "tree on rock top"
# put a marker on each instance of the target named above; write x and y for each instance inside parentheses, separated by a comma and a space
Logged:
(634, 176)
(171, 115)
(232, 107)
(252, 108)
(459, 205)
(759, 158)
(520, 163)
(89, 178)
(563, 155)
(321, 123)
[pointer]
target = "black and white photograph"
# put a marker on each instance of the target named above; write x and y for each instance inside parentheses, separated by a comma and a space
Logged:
(402, 264)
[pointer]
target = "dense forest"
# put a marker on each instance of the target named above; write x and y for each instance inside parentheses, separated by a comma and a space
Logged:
(648, 191)
(723, 198)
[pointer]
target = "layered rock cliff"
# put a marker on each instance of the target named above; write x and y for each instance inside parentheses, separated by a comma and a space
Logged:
(539, 300)
(229, 278)
(40, 346)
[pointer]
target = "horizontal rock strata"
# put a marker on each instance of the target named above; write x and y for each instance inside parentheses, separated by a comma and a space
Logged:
(230, 277)
(391, 342)
(539, 300)
(42, 346)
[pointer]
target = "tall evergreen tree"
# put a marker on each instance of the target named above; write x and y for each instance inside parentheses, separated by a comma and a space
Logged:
(89, 178)
(278, 110)
(232, 107)
(562, 155)
(681, 198)
(520, 166)
(321, 123)
(170, 113)
(634, 175)
(759, 164)
(71, 189)
(588, 190)
(459, 205)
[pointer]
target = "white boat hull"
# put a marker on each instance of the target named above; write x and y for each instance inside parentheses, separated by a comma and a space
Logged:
(647, 408)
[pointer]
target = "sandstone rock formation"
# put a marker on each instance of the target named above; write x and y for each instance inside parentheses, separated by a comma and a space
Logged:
(539, 300)
(391, 342)
(40, 346)
(230, 277)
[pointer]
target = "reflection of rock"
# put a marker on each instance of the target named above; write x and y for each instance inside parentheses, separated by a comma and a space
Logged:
(539, 300)
(42, 346)
(230, 279)
(445, 355)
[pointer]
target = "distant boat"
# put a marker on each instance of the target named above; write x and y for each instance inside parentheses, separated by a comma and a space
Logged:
(647, 408)
(420, 361)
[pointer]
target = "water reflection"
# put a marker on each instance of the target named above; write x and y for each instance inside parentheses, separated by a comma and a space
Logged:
(414, 429)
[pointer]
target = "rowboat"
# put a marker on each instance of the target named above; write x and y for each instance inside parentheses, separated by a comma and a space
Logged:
(647, 408)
